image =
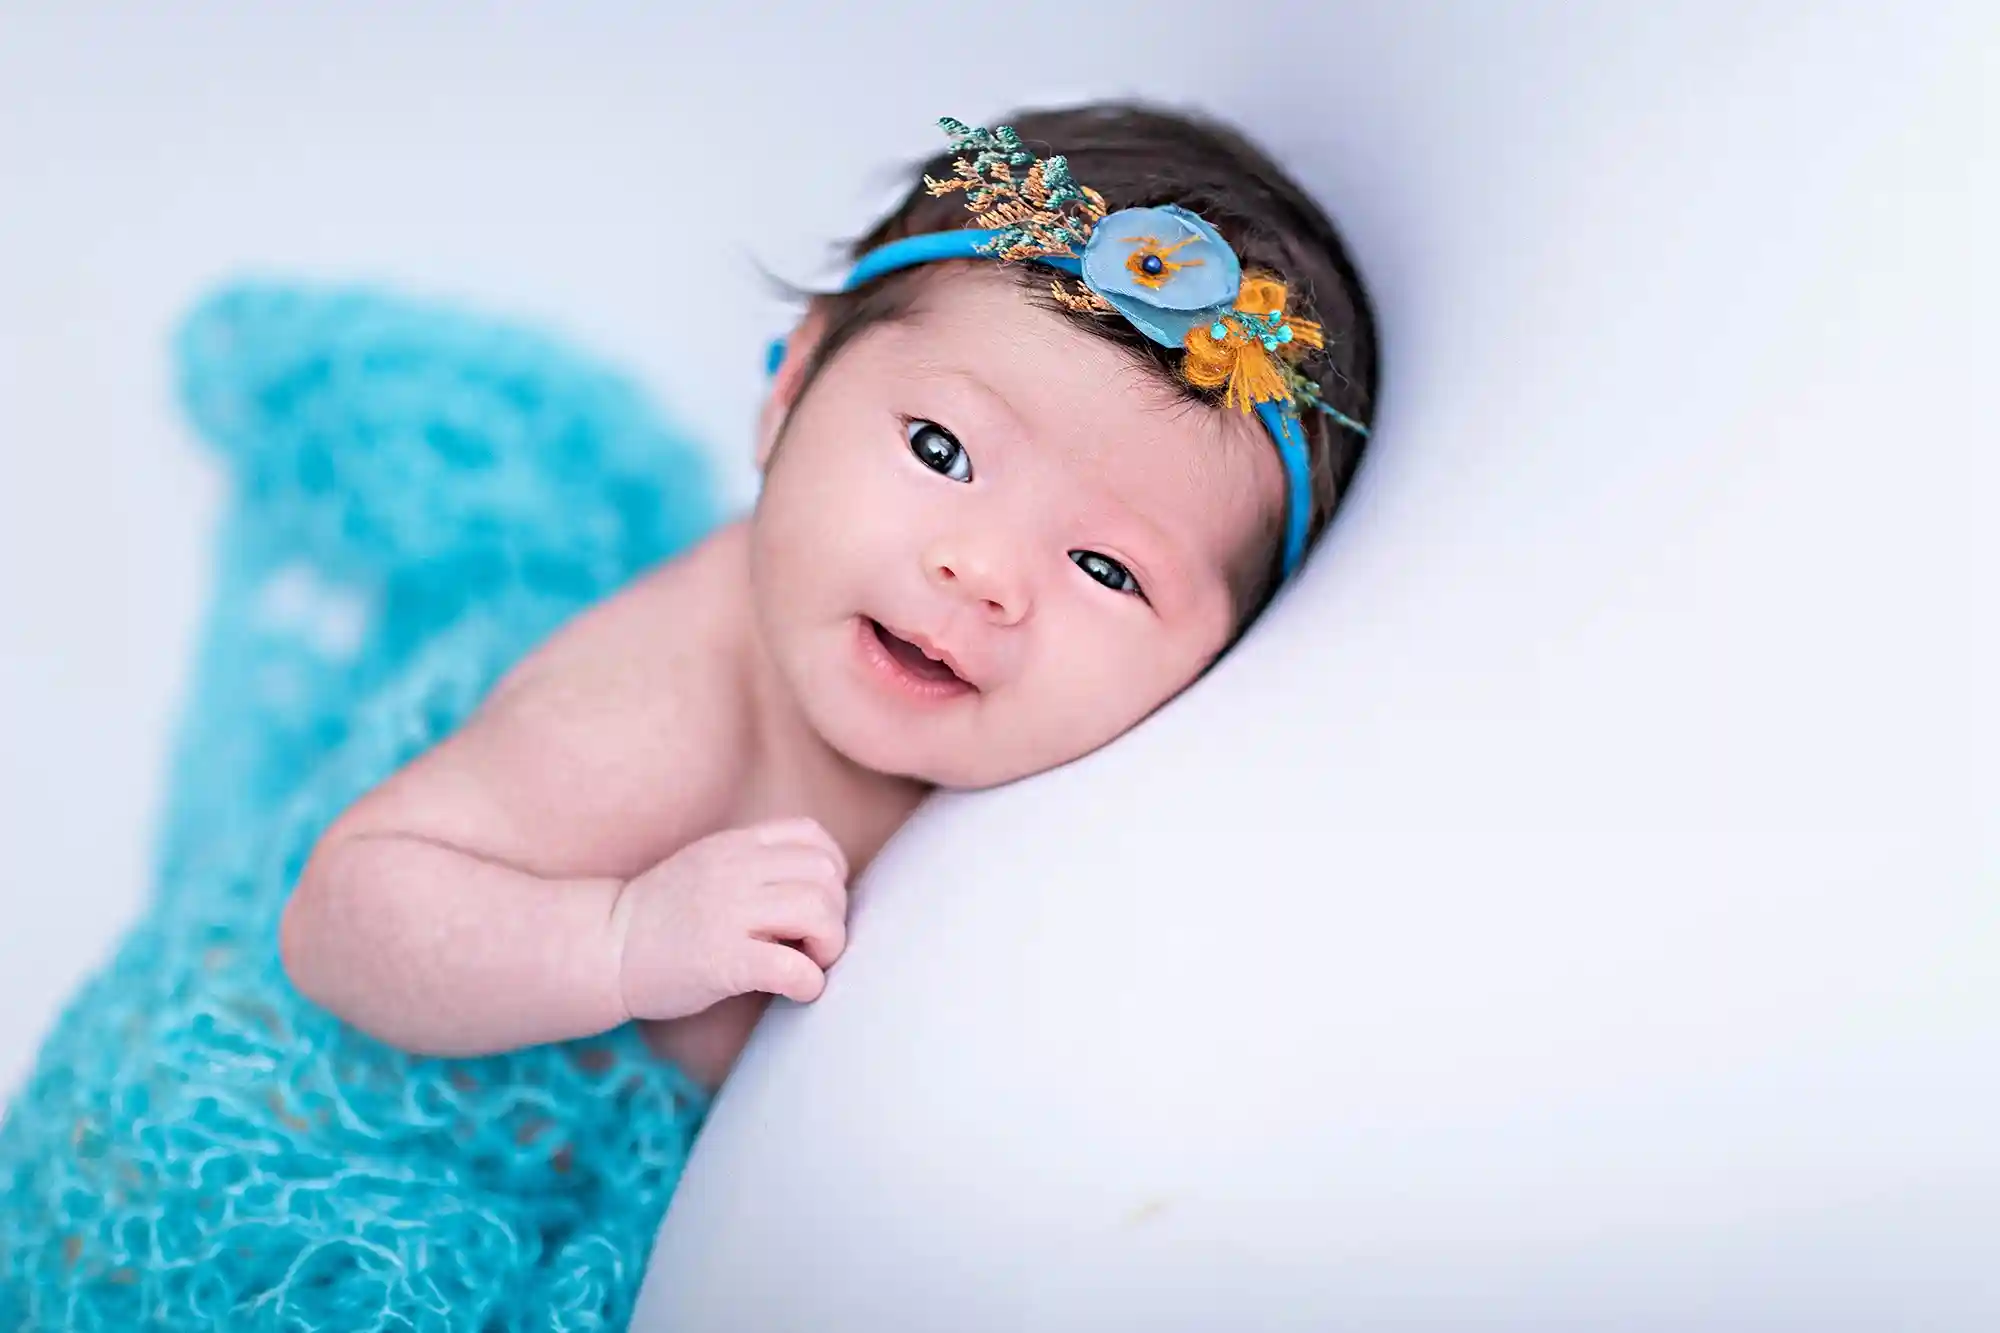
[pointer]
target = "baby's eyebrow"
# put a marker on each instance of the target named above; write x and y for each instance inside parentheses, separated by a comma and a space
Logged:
(970, 379)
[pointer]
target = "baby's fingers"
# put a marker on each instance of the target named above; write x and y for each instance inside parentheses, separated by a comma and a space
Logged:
(779, 969)
(802, 832)
(809, 915)
(795, 864)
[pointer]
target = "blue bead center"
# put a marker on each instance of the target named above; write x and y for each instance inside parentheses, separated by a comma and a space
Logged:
(1152, 265)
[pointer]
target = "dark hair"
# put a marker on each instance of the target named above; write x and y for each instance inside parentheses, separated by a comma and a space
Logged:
(1136, 156)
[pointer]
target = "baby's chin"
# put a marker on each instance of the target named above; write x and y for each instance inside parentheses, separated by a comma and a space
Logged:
(934, 754)
(950, 747)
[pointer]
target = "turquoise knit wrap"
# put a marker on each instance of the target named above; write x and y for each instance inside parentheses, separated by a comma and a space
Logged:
(418, 496)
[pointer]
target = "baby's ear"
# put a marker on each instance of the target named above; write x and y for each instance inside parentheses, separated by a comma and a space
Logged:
(788, 377)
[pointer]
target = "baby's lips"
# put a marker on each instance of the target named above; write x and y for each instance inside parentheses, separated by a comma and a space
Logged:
(934, 649)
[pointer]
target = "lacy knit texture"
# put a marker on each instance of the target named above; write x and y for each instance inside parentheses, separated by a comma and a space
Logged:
(418, 496)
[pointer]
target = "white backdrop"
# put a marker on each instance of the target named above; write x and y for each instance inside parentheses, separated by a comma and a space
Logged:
(1575, 908)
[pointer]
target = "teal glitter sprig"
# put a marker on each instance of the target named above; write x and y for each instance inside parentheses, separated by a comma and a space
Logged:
(1308, 397)
(1044, 212)
(990, 148)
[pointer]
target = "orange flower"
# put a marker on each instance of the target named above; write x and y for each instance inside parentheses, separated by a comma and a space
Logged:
(1239, 352)
(1261, 296)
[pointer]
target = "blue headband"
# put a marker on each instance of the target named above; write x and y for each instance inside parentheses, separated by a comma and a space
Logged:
(1165, 270)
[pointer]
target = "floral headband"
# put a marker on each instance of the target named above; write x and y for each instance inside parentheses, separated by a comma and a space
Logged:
(1165, 270)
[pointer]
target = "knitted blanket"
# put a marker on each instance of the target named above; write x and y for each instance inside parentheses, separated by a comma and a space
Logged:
(419, 496)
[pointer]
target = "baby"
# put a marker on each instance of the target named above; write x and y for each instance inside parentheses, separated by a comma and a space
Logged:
(1023, 481)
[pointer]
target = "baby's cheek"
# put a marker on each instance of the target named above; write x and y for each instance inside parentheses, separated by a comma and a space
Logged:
(1103, 685)
(815, 496)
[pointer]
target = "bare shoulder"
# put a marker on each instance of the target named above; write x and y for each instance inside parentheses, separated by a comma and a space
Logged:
(614, 743)
(666, 628)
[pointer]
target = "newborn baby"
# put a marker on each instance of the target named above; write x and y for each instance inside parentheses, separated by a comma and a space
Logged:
(1023, 481)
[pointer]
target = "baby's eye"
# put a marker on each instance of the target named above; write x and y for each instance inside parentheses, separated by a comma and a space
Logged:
(1107, 571)
(937, 450)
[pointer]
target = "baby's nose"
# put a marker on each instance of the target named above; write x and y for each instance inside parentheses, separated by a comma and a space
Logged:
(981, 578)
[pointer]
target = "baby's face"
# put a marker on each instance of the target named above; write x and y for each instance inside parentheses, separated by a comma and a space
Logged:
(985, 484)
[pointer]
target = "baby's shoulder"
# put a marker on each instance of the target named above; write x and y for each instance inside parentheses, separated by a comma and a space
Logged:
(644, 685)
(618, 741)
(673, 620)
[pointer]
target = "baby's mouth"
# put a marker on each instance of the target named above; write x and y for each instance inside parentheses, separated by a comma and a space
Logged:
(914, 659)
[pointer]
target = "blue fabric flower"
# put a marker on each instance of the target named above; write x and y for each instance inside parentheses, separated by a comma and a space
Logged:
(1164, 269)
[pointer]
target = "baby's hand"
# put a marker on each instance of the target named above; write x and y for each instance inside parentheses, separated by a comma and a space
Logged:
(720, 917)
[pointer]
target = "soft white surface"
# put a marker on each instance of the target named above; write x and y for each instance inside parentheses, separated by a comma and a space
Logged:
(1577, 908)
(1602, 932)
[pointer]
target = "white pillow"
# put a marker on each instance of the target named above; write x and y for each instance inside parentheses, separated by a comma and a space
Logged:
(1574, 907)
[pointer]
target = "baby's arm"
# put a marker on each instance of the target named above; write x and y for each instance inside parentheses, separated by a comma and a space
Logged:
(543, 874)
